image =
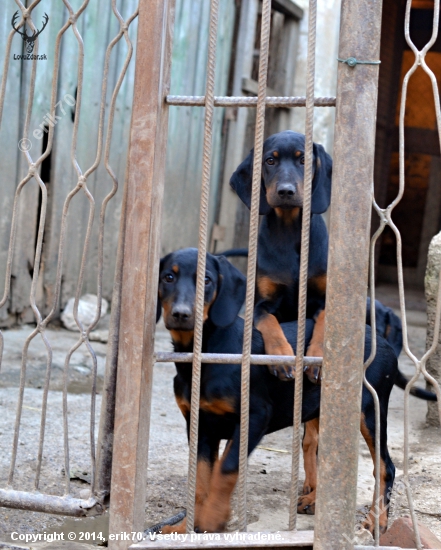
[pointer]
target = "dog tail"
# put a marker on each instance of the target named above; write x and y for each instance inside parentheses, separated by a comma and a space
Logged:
(401, 381)
(234, 252)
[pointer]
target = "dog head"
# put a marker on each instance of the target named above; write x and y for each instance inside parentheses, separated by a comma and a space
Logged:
(281, 185)
(224, 295)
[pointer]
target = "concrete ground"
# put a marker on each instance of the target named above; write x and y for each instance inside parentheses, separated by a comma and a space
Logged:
(269, 466)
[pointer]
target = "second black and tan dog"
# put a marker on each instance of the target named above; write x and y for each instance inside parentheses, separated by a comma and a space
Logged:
(280, 233)
(271, 400)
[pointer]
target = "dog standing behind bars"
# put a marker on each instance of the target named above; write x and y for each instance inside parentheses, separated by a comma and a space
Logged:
(271, 400)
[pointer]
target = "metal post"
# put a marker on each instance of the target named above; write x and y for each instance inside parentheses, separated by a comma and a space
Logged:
(141, 250)
(348, 268)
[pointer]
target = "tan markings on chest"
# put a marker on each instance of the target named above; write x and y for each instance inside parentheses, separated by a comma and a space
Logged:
(182, 337)
(266, 286)
(218, 406)
(288, 216)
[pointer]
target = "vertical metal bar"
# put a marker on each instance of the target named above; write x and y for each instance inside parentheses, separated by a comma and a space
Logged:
(202, 252)
(304, 256)
(141, 250)
(252, 258)
(351, 205)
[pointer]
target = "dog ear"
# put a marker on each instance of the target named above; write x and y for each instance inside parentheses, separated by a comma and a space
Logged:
(241, 181)
(158, 303)
(321, 184)
(231, 291)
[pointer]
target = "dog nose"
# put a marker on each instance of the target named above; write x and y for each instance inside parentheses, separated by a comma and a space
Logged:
(181, 313)
(286, 190)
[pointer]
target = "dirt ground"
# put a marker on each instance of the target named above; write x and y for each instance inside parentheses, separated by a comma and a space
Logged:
(269, 466)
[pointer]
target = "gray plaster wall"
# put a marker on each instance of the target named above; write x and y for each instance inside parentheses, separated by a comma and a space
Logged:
(431, 288)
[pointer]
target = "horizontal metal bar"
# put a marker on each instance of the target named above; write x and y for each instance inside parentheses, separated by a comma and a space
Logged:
(290, 539)
(281, 539)
(50, 504)
(234, 358)
(226, 101)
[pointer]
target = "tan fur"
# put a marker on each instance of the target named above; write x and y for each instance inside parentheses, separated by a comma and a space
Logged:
(267, 287)
(218, 406)
(369, 522)
(288, 216)
(183, 337)
(274, 339)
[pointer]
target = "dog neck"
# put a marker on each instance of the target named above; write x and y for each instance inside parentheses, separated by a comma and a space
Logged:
(182, 340)
(289, 217)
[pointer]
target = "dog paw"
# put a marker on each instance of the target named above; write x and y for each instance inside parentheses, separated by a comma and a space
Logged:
(306, 504)
(313, 373)
(369, 524)
(283, 372)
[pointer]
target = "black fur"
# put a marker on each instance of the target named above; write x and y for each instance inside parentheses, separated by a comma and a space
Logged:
(271, 401)
(281, 202)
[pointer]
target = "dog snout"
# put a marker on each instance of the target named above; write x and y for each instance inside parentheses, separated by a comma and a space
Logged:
(286, 190)
(181, 313)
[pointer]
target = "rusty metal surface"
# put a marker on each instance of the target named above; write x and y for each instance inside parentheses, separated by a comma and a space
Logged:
(348, 269)
(50, 504)
(229, 101)
(304, 260)
(252, 260)
(202, 254)
(140, 237)
(231, 358)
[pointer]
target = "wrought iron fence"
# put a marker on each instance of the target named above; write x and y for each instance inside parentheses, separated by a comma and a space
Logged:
(135, 291)
(39, 500)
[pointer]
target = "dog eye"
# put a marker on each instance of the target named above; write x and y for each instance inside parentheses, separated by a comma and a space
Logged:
(302, 160)
(270, 161)
(169, 278)
(207, 280)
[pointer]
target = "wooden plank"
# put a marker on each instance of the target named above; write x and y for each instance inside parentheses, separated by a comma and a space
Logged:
(351, 206)
(140, 232)
(62, 179)
(184, 146)
(9, 137)
(30, 201)
(288, 8)
(250, 86)
(264, 539)
(237, 122)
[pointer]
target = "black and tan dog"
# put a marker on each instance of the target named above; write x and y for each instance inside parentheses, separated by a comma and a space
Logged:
(271, 400)
(278, 264)
(278, 254)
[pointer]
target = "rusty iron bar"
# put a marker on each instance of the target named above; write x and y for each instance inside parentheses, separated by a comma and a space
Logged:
(252, 261)
(304, 261)
(243, 101)
(233, 359)
(49, 504)
(107, 416)
(202, 253)
(303, 540)
(140, 235)
(351, 205)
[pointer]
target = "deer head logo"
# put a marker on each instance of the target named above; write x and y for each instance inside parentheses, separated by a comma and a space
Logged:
(29, 39)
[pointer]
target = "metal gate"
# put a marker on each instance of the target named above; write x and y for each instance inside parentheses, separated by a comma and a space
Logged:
(135, 292)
